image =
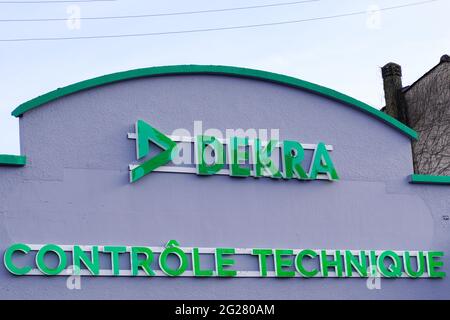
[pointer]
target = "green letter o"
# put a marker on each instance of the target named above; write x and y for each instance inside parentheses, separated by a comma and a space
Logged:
(61, 257)
(182, 258)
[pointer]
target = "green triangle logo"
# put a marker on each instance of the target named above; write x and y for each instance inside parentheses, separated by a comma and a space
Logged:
(144, 134)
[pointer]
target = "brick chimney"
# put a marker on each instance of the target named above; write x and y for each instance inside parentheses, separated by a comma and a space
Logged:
(392, 82)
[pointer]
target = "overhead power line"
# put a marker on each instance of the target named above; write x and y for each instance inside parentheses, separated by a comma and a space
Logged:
(163, 14)
(54, 1)
(215, 29)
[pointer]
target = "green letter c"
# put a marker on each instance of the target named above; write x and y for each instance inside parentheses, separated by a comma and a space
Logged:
(10, 266)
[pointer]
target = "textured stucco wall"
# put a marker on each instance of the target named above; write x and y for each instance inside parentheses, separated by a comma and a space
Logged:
(75, 190)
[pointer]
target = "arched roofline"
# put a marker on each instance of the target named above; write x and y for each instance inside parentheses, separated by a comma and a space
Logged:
(218, 70)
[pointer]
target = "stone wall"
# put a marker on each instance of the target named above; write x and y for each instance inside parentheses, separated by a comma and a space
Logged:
(425, 107)
(428, 111)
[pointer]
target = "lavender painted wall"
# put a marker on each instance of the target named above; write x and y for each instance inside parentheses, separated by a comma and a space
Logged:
(75, 190)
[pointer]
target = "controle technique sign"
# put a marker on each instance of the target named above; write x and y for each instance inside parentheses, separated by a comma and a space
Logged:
(186, 262)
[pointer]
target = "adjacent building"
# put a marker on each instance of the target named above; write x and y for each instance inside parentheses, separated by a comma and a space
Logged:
(425, 107)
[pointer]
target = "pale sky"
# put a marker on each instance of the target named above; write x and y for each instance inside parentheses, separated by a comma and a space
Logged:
(343, 53)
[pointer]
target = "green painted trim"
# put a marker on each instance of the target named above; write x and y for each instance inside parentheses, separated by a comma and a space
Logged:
(223, 70)
(11, 160)
(421, 178)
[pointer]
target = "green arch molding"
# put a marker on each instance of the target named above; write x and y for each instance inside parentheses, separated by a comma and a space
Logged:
(221, 70)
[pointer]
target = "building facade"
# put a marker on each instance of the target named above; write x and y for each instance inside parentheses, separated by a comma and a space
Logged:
(97, 186)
